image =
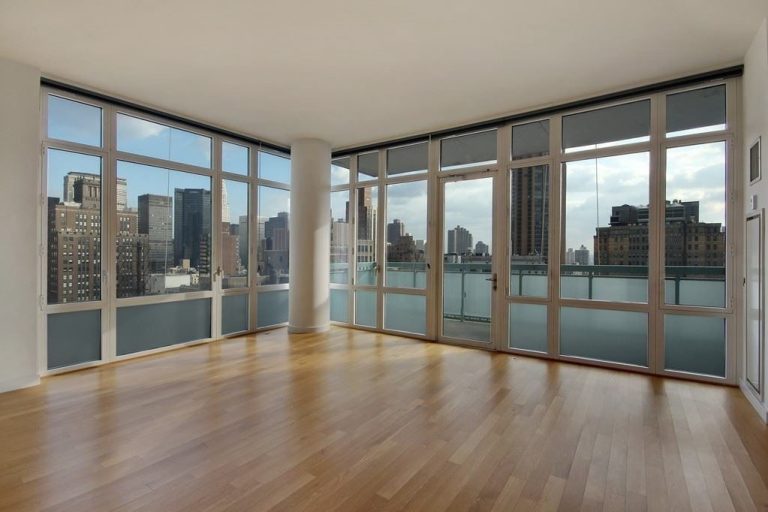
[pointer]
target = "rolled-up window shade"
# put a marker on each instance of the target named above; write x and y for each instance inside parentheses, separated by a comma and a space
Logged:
(611, 124)
(530, 139)
(407, 159)
(468, 149)
(696, 109)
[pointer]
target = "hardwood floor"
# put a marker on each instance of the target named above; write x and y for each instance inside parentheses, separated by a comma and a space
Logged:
(353, 420)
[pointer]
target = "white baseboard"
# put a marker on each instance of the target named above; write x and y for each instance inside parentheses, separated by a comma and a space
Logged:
(306, 330)
(19, 383)
(753, 399)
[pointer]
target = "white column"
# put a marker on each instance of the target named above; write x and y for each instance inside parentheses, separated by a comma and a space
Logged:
(310, 234)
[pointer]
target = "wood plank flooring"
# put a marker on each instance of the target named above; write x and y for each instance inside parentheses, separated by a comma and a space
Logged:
(359, 421)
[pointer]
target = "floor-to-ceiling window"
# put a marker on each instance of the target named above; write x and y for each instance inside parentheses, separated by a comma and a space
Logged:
(149, 239)
(610, 220)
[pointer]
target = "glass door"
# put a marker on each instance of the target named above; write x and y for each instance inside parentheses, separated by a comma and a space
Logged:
(469, 277)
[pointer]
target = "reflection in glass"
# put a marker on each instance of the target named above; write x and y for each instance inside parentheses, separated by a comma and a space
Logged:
(340, 233)
(616, 336)
(368, 166)
(274, 167)
(410, 159)
(467, 289)
(530, 140)
(73, 121)
(142, 137)
(234, 234)
(529, 223)
(695, 238)
(365, 255)
(234, 158)
(467, 150)
(340, 171)
(406, 235)
(272, 236)
(74, 226)
(606, 127)
(164, 232)
(606, 218)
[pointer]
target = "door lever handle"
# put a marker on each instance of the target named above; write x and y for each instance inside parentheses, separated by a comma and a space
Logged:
(494, 279)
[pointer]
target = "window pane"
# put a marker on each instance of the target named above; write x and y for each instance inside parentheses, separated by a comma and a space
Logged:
(272, 308)
(407, 313)
(606, 229)
(74, 338)
(531, 139)
(699, 111)
(74, 227)
(340, 237)
(234, 158)
(406, 235)
(74, 121)
(274, 167)
(339, 308)
(156, 140)
(468, 150)
(610, 126)
(234, 234)
(141, 328)
(694, 344)
(234, 313)
(365, 308)
(365, 256)
(616, 336)
(695, 241)
(272, 236)
(411, 159)
(164, 231)
(368, 166)
(340, 171)
(528, 327)
(529, 221)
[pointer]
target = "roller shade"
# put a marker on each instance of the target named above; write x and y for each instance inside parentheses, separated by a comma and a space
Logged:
(531, 139)
(468, 149)
(696, 109)
(611, 124)
(407, 159)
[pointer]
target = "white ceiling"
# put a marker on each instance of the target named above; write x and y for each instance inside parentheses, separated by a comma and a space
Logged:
(358, 71)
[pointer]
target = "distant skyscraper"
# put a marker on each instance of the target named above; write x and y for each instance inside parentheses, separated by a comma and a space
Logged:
(395, 230)
(581, 255)
(192, 228)
(242, 233)
(276, 247)
(366, 226)
(530, 213)
(74, 177)
(481, 249)
(155, 223)
(570, 257)
(459, 241)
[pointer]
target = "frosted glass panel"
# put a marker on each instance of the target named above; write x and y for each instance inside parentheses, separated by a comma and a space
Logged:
(610, 126)
(405, 313)
(74, 338)
(272, 308)
(694, 344)
(141, 328)
(528, 327)
(409, 159)
(234, 313)
(616, 336)
(698, 111)
(465, 150)
(531, 139)
(339, 306)
(365, 308)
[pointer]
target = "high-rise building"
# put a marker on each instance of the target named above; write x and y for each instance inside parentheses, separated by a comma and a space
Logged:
(459, 241)
(570, 257)
(481, 249)
(242, 234)
(132, 256)
(581, 255)
(395, 230)
(155, 223)
(192, 228)
(276, 247)
(530, 213)
(366, 226)
(71, 178)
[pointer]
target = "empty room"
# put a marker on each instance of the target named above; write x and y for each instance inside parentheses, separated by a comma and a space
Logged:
(364, 256)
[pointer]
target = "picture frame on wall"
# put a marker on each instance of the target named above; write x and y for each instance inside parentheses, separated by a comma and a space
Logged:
(755, 163)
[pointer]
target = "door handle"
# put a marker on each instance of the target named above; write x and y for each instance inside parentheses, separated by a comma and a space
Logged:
(494, 279)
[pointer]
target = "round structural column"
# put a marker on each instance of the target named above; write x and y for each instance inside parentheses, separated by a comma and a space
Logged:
(310, 235)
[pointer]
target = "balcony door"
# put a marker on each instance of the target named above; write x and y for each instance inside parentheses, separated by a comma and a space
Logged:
(469, 277)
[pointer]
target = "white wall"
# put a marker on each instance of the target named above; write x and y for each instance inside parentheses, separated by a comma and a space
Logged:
(19, 211)
(755, 118)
